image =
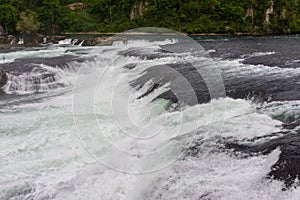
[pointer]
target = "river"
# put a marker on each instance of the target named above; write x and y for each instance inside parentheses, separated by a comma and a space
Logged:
(152, 118)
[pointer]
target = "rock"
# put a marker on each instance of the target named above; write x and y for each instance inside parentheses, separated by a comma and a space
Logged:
(55, 39)
(7, 39)
(77, 41)
(40, 38)
(103, 41)
(88, 42)
(78, 5)
(138, 9)
(3, 79)
(52, 40)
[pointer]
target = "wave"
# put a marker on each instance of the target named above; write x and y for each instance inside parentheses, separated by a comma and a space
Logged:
(41, 78)
(48, 52)
(258, 54)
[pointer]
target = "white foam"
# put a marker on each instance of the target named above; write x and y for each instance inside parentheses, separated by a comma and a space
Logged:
(41, 79)
(258, 54)
(47, 53)
(65, 41)
(218, 176)
(145, 43)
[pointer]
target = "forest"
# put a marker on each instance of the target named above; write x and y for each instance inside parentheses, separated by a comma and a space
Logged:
(189, 16)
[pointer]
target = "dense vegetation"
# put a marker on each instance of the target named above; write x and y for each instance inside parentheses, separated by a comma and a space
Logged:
(191, 16)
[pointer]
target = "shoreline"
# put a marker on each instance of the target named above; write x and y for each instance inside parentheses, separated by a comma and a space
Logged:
(192, 34)
(104, 38)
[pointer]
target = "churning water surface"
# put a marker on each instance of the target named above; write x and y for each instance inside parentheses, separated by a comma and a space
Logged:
(88, 122)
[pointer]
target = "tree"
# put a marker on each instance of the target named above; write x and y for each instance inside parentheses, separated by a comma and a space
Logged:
(28, 25)
(8, 16)
(192, 16)
(51, 14)
(78, 21)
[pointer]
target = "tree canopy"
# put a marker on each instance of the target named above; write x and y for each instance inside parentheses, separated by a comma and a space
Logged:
(28, 23)
(190, 16)
(8, 16)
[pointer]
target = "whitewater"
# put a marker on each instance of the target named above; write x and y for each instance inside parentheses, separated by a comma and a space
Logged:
(102, 125)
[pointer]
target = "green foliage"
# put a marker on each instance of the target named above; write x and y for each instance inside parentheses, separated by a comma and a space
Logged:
(8, 16)
(28, 25)
(191, 16)
(78, 21)
(51, 13)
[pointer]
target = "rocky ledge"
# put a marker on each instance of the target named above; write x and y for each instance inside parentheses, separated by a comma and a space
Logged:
(8, 41)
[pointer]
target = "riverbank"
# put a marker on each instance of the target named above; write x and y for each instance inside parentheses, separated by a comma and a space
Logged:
(192, 34)
(101, 38)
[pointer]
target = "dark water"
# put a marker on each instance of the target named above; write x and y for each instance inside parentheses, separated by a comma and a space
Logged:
(284, 49)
